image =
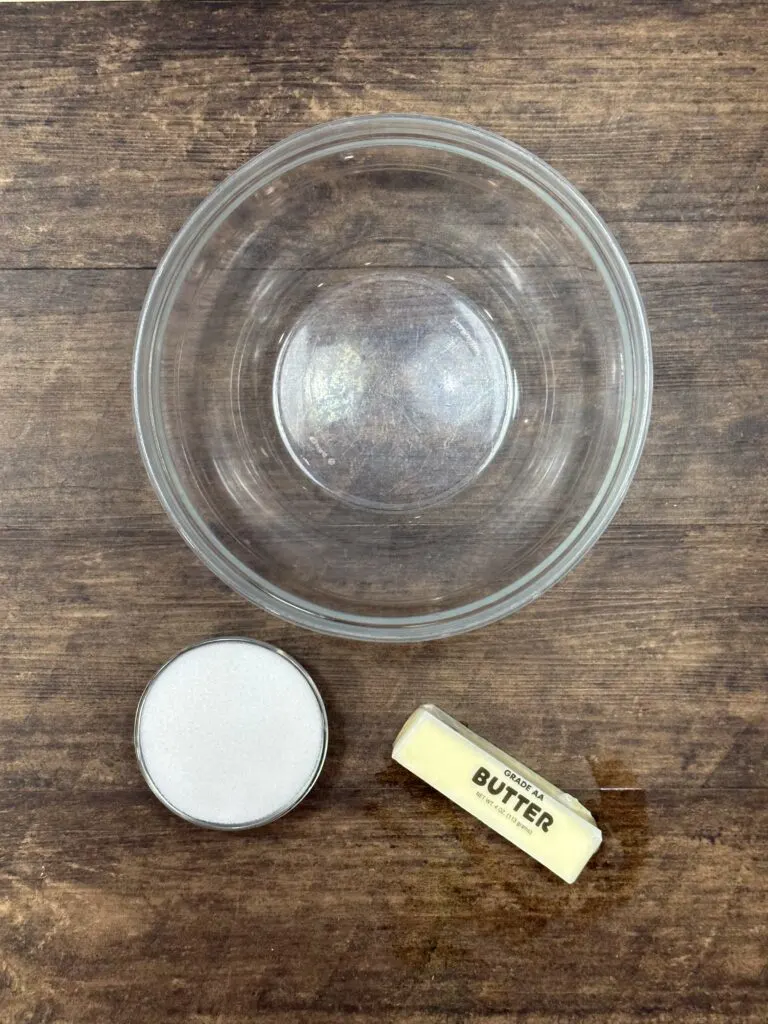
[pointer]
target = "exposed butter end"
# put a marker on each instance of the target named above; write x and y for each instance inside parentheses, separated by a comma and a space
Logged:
(526, 809)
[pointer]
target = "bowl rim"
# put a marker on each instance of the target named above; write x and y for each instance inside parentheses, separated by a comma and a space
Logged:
(501, 155)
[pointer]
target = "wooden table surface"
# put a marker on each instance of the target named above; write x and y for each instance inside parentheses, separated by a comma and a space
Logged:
(638, 683)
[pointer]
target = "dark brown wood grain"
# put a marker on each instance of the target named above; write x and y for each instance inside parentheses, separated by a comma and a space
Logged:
(639, 683)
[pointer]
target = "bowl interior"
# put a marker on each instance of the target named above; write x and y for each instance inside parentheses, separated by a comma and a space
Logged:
(388, 378)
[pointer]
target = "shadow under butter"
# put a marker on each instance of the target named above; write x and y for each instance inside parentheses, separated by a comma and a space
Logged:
(473, 889)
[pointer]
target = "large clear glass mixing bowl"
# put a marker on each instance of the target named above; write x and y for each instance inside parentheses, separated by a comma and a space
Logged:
(392, 378)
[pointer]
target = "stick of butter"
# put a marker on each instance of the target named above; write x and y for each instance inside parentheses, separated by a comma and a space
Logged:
(551, 826)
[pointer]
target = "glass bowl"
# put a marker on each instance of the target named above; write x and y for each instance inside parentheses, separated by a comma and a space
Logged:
(392, 378)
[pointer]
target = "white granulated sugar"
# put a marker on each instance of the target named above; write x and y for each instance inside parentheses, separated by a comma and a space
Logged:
(231, 733)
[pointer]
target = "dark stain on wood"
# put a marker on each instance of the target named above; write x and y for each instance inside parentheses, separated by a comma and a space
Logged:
(639, 683)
